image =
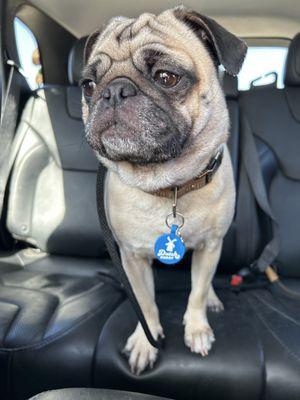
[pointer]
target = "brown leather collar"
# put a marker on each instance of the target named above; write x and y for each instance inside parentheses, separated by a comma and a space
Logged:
(196, 183)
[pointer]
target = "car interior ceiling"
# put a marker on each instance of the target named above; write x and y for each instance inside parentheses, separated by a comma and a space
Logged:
(64, 318)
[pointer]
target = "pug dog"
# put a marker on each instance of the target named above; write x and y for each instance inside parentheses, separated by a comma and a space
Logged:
(156, 116)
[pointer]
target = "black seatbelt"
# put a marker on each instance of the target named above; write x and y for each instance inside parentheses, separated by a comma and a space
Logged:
(114, 254)
(9, 114)
(250, 160)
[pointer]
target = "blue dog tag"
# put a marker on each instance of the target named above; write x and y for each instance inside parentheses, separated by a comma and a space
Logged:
(169, 248)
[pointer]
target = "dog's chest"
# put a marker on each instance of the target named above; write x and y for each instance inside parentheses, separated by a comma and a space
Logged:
(137, 219)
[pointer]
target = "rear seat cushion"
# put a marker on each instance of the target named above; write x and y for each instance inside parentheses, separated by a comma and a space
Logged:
(234, 366)
(256, 354)
(52, 310)
(45, 295)
(277, 323)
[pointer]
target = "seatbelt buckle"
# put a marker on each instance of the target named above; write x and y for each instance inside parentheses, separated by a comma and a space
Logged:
(245, 275)
(236, 280)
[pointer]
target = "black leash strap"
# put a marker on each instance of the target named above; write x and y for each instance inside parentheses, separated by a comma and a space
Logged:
(252, 166)
(114, 254)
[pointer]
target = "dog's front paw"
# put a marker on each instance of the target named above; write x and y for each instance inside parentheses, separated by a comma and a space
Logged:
(141, 353)
(199, 337)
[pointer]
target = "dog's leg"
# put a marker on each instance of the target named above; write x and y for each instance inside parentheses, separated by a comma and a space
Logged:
(213, 301)
(139, 271)
(198, 334)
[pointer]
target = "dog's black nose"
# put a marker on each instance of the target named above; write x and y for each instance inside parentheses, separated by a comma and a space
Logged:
(118, 90)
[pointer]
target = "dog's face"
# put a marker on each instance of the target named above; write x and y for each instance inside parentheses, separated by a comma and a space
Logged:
(149, 83)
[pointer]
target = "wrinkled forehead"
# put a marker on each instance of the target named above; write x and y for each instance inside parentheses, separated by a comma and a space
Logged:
(135, 39)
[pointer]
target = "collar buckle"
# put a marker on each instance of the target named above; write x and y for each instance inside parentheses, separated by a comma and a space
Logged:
(213, 166)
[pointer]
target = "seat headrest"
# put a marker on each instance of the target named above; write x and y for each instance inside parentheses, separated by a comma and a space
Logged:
(230, 86)
(75, 63)
(292, 69)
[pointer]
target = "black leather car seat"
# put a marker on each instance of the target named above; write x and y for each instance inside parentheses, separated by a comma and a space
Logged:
(274, 117)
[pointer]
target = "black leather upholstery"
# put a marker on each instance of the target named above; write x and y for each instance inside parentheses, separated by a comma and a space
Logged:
(256, 352)
(76, 61)
(278, 132)
(228, 262)
(63, 319)
(277, 324)
(234, 366)
(230, 86)
(292, 71)
(231, 93)
(52, 309)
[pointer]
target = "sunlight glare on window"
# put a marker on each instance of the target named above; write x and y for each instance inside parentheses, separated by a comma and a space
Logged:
(28, 54)
(260, 62)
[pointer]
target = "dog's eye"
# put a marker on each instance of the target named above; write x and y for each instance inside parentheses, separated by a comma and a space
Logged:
(88, 87)
(166, 78)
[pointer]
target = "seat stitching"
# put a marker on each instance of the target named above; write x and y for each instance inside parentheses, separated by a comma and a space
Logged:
(94, 288)
(17, 316)
(44, 143)
(276, 310)
(12, 322)
(254, 326)
(277, 338)
(59, 335)
(57, 307)
(86, 293)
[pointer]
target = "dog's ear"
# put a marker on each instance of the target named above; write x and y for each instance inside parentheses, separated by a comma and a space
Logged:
(228, 50)
(89, 44)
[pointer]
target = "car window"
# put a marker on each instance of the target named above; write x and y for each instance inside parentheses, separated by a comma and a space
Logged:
(263, 65)
(29, 54)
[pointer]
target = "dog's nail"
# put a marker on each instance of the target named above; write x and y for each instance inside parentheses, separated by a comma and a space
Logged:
(134, 369)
